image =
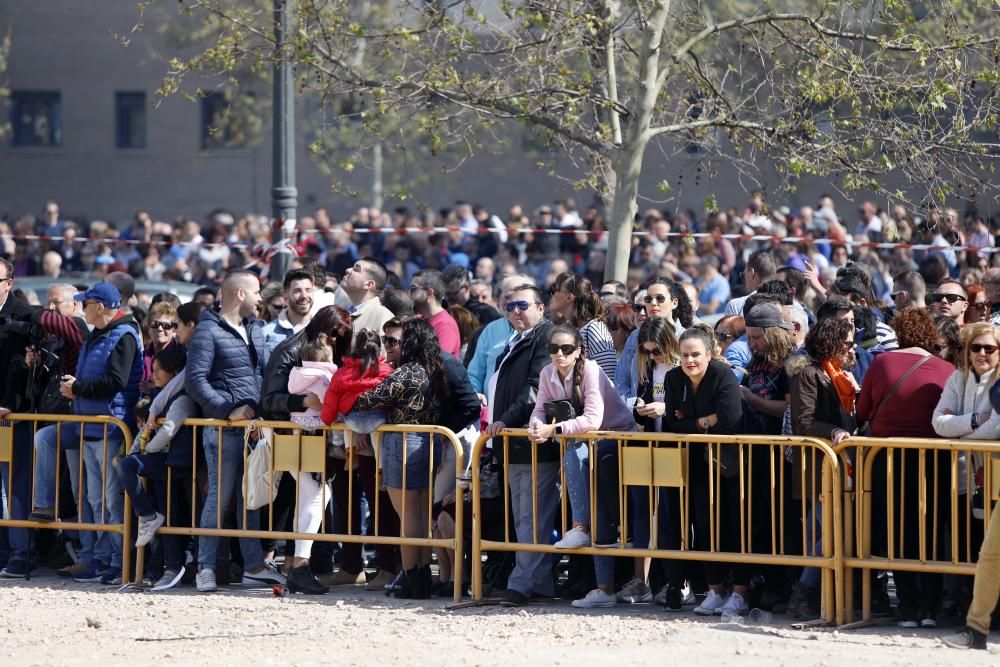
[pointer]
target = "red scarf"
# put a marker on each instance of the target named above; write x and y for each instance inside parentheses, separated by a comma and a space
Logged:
(842, 383)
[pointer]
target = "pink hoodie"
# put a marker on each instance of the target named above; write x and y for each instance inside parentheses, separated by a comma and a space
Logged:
(312, 377)
(603, 408)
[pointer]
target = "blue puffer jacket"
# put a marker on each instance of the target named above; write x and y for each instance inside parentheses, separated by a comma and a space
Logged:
(93, 364)
(222, 371)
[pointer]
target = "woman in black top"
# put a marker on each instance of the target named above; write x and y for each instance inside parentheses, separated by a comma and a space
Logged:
(703, 396)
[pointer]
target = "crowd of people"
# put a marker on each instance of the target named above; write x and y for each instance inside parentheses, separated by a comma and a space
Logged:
(765, 322)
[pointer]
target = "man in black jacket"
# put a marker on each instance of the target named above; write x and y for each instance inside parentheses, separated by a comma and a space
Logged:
(14, 398)
(512, 391)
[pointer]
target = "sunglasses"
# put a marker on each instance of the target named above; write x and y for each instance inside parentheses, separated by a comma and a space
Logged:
(660, 298)
(166, 326)
(982, 306)
(950, 298)
(655, 351)
(896, 295)
(566, 349)
(988, 349)
(848, 345)
(519, 305)
(390, 341)
(938, 348)
(638, 308)
(724, 336)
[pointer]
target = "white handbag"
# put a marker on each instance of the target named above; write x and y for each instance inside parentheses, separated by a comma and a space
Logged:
(260, 484)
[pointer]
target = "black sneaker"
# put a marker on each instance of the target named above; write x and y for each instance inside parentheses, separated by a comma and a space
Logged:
(967, 638)
(514, 599)
(673, 601)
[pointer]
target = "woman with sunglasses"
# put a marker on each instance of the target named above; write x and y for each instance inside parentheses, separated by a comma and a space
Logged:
(979, 305)
(161, 324)
(573, 377)
(574, 301)
(948, 345)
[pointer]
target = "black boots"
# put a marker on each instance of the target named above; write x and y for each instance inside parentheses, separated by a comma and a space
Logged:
(301, 580)
(415, 584)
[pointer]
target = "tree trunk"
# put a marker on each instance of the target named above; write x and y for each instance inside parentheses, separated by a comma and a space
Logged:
(627, 169)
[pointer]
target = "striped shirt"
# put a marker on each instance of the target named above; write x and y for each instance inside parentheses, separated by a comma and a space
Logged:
(600, 346)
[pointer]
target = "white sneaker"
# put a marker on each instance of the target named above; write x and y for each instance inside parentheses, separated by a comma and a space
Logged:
(574, 539)
(205, 580)
(594, 599)
(710, 604)
(147, 529)
(169, 579)
(735, 604)
(268, 576)
(634, 592)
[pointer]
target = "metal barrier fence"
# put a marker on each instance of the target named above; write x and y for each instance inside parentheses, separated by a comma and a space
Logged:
(303, 452)
(20, 442)
(735, 496)
(910, 507)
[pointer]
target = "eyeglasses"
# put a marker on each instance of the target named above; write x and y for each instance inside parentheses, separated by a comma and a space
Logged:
(166, 326)
(982, 306)
(6, 278)
(660, 298)
(519, 305)
(390, 341)
(638, 308)
(415, 288)
(938, 348)
(848, 345)
(950, 298)
(724, 336)
(655, 351)
(988, 349)
(566, 349)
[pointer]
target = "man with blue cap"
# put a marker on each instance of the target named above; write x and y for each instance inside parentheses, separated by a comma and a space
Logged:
(106, 382)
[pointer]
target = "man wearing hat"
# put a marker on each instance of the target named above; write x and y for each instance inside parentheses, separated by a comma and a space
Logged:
(766, 385)
(106, 382)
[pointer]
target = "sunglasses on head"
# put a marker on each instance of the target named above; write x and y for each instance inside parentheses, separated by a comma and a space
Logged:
(660, 298)
(988, 349)
(166, 326)
(655, 351)
(390, 341)
(950, 298)
(566, 349)
(519, 305)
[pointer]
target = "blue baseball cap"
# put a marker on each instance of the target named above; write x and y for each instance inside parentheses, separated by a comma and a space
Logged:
(105, 293)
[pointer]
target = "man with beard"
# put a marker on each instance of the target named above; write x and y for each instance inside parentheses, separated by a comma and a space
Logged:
(298, 287)
(427, 291)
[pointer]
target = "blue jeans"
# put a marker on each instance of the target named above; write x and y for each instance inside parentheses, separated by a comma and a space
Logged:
(17, 491)
(576, 464)
(364, 421)
(131, 470)
(100, 485)
(221, 486)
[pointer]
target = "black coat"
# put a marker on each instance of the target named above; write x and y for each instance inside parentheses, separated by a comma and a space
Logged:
(462, 406)
(718, 394)
(14, 394)
(276, 402)
(517, 388)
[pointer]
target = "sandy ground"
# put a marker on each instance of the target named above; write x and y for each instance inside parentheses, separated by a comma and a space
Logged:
(50, 621)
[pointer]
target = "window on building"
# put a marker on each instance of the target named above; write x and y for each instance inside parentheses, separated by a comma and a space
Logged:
(35, 119)
(225, 123)
(130, 120)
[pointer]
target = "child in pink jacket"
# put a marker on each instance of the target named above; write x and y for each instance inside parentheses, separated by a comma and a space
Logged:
(312, 377)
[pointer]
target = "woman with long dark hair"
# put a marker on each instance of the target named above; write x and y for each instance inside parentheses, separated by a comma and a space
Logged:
(572, 376)
(575, 302)
(413, 394)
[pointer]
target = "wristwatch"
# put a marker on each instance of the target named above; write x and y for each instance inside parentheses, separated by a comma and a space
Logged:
(558, 429)
(975, 421)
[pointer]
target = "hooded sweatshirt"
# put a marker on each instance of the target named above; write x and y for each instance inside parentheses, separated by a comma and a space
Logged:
(312, 377)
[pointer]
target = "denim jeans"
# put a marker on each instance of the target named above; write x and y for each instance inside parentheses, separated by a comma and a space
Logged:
(221, 487)
(576, 464)
(131, 470)
(104, 501)
(17, 490)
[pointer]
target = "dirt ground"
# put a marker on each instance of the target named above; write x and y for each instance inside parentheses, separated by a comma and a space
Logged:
(50, 621)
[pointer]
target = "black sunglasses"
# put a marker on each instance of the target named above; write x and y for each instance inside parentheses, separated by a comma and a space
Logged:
(656, 351)
(566, 349)
(638, 308)
(519, 305)
(390, 341)
(660, 298)
(938, 348)
(724, 336)
(166, 326)
(950, 298)
(988, 349)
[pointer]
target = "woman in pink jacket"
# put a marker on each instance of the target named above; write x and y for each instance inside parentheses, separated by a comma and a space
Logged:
(573, 377)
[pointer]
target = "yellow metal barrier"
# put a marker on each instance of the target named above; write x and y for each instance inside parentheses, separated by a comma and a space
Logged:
(10, 438)
(799, 476)
(299, 451)
(904, 509)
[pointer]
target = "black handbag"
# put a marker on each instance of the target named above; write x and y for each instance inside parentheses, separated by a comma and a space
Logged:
(563, 409)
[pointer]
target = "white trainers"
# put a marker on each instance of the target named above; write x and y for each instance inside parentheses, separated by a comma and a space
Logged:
(574, 539)
(169, 579)
(709, 606)
(634, 592)
(735, 604)
(594, 599)
(147, 529)
(205, 580)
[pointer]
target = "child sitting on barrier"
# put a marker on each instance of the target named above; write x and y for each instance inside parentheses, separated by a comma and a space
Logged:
(312, 377)
(154, 451)
(363, 370)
